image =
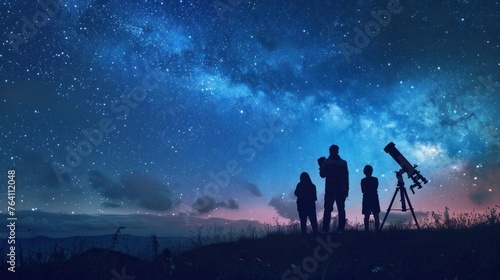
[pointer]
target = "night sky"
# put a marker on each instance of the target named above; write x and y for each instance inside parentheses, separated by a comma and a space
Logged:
(158, 115)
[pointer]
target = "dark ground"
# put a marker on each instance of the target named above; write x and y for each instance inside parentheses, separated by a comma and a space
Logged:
(470, 253)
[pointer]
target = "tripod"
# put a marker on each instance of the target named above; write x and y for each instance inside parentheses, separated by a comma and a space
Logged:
(404, 198)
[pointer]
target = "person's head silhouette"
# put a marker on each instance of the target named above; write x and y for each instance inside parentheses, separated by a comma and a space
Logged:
(304, 178)
(334, 150)
(368, 170)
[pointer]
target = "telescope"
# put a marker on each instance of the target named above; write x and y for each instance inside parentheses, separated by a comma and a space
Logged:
(406, 167)
(412, 172)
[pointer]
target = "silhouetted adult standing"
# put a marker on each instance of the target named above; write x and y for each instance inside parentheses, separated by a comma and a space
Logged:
(306, 202)
(369, 186)
(334, 170)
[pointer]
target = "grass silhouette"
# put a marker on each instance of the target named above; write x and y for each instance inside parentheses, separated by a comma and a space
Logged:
(449, 246)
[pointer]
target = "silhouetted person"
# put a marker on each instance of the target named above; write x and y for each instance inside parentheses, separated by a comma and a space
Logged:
(306, 205)
(334, 170)
(369, 186)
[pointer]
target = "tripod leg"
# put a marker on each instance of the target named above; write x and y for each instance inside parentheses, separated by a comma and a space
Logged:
(411, 209)
(389, 208)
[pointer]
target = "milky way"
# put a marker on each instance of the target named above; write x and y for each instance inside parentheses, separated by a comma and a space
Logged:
(213, 109)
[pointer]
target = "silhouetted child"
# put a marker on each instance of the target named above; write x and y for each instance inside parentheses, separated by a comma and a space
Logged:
(306, 203)
(369, 186)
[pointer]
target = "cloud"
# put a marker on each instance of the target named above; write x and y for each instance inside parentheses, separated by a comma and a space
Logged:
(63, 225)
(231, 204)
(105, 186)
(206, 204)
(110, 205)
(149, 192)
(254, 190)
(285, 208)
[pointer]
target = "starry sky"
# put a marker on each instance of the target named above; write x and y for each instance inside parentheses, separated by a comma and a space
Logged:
(161, 115)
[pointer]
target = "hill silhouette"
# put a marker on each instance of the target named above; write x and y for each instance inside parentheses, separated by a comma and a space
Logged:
(472, 253)
(460, 253)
